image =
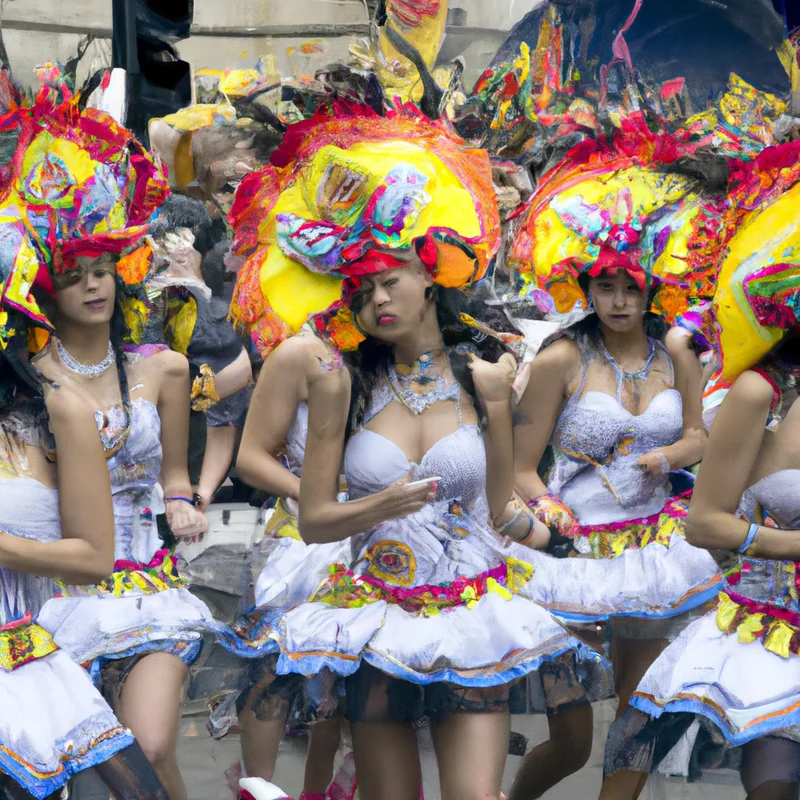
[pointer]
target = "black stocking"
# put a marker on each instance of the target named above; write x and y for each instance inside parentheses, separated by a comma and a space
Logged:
(129, 776)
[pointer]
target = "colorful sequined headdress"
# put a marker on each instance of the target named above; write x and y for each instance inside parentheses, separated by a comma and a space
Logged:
(757, 302)
(80, 185)
(613, 205)
(344, 186)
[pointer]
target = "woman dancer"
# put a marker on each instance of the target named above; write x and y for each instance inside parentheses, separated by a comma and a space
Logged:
(745, 509)
(56, 523)
(92, 185)
(407, 583)
(620, 417)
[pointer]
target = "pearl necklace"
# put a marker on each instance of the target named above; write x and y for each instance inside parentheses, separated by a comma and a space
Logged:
(91, 370)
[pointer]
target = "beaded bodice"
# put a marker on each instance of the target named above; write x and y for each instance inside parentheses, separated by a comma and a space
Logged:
(372, 461)
(773, 501)
(134, 470)
(597, 441)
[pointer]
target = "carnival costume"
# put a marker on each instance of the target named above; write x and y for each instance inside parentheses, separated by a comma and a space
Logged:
(400, 603)
(616, 205)
(84, 186)
(736, 670)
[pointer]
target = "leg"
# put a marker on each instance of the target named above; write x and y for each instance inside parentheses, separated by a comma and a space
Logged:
(471, 752)
(381, 711)
(150, 705)
(631, 658)
(387, 761)
(130, 776)
(261, 738)
(770, 769)
(323, 745)
(567, 751)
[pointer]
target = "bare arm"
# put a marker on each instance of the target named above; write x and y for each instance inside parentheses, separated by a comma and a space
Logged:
(690, 447)
(733, 447)
(281, 387)
(541, 404)
(173, 410)
(322, 517)
(85, 553)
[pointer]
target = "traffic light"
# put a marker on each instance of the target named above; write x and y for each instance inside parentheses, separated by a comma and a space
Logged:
(159, 82)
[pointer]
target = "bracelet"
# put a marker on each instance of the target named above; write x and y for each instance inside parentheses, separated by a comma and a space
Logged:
(752, 532)
(188, 500)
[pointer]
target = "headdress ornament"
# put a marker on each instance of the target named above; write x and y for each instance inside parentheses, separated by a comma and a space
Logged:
(345, 189)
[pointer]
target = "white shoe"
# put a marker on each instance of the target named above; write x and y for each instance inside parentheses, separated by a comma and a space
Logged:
(259, 789)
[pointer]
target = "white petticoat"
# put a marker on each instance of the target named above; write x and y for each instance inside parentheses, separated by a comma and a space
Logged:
(743, 688)
(53, 724)
(109, 627)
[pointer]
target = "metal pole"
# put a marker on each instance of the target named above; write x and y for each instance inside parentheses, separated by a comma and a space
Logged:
(125, 56)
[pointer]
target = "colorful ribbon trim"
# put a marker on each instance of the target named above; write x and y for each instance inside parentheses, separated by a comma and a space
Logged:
(613, 539)
(23, 641)
(345, 589)
(130, 576)
(778, 629)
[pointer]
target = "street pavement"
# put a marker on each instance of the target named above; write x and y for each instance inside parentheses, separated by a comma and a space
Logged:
(203, 762)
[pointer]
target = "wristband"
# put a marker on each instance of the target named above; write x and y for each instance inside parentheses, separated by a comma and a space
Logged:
(188, 500)
(752, 532)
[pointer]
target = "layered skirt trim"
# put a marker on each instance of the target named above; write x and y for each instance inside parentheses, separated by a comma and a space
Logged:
(366, 600)
(140, 608)
(53, 722)
(732, 670)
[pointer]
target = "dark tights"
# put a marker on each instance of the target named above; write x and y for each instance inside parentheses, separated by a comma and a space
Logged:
(128, 776)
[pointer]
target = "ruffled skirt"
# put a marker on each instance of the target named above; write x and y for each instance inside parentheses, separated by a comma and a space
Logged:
(435, 598)
(53, 722)
(139, 609)
(734, 673)
(642, 569)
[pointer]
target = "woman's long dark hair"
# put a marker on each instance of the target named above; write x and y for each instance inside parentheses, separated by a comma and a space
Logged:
(370, 363)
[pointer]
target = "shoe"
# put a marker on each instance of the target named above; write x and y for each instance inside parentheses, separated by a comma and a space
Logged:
(259, 789)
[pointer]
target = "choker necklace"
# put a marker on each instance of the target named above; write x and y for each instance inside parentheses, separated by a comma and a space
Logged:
(91, 370)
(419, 385)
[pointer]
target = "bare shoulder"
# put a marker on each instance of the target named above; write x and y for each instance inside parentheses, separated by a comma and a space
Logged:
(751, 390)
(561, 359)
(167, 364)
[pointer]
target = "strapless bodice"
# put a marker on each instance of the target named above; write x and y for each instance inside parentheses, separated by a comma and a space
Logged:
(29, 510)
(773, 501)
(597, 430)
(296, 440)
(134, 472)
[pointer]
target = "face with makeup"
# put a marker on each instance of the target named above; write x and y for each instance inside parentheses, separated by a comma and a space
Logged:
(618, 300)
(85, 295)
(392, 304)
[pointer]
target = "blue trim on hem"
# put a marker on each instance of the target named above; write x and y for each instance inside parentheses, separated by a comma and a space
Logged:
(41, 789)
(689, 605)
(313, 665)
(156, 646)
(702, 710)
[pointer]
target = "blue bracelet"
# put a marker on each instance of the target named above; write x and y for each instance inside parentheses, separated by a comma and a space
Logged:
(180, 497)
(752, 532)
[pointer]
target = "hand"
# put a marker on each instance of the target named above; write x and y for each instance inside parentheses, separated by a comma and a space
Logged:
(401, 498)
(186, 521)
(493, 382)
(655, 463)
